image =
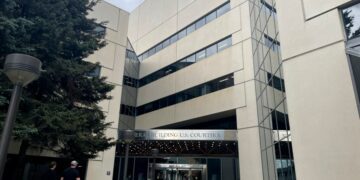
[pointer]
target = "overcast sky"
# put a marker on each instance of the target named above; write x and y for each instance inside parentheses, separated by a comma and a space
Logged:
(127, 5)
(355, 12)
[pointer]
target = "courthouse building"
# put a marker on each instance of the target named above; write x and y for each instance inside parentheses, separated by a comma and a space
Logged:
(231, 89)
(239, 89)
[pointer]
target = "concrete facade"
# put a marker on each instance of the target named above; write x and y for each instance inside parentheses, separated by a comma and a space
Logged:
(321, 97)
(112, 60)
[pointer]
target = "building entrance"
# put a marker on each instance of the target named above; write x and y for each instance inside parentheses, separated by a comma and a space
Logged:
(180, 172)
(178, 155)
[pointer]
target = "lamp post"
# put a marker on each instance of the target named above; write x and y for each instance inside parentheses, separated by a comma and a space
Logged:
(21, 69)
(128, 138)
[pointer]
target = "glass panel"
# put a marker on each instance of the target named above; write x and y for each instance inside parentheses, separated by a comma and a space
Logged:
(173, 39)
(182, 34)
(224, 82)
(211, 17)
(145, 55)
(224, 44)
(100, 31)
(116, 174)
(181, 64)
(130, 169)
(191, 59)
(280, 121)
(171, 100)
(351, 17)
(190, 29)
(159, 47)
(211, 50)
(200, 23)
(214, 169)
(200, 55)
(151, 51)
(95, 72)
(228, 167)
(222, 10)
(163, 102)
(179, 97)
(355, 65)
(166, 43)
(141, 168)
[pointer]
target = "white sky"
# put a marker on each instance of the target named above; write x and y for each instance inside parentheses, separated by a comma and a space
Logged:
(127, 5)
(355, 12)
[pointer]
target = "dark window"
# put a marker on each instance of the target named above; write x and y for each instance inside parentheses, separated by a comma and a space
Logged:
(129, 81)
(127, 110)
(283, 150)
(280, 121)
(225, 82)
(276, 82)
(172, 100)
(95, 72)
(163, 102)
(181, 64)
(355, 66)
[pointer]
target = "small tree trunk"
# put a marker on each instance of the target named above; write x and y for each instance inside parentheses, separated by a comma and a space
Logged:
(20, 165)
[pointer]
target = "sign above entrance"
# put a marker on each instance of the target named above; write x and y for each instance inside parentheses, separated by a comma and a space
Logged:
(177, 134)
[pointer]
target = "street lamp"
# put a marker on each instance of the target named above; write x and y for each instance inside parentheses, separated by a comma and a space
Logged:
(21, 69)
(128, 136)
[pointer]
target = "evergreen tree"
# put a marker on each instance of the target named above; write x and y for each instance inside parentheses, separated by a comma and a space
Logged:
(348, 22)
(59, 111)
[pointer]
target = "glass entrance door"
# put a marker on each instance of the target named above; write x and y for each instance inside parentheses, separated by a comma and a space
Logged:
(180, 172)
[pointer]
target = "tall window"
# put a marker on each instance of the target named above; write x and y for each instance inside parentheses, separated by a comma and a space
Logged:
(351, 19)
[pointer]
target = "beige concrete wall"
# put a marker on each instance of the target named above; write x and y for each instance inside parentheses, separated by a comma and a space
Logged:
(315, 8)
(220, 64)
(225, 62)
(216, 102)
(153, 21)
(322, 105)
(111, 58)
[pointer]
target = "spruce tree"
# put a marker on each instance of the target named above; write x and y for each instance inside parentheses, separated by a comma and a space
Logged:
(59, 111)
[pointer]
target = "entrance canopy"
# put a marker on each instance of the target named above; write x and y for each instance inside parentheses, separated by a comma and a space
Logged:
(179, 142)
